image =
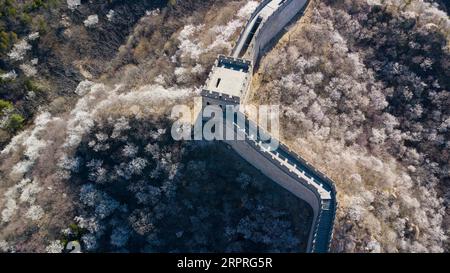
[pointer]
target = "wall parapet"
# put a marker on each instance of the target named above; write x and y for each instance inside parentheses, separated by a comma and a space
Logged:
(220, 96)
(286, 160)
(304, 179)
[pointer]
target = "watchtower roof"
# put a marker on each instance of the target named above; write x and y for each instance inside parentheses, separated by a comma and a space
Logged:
(229, 76)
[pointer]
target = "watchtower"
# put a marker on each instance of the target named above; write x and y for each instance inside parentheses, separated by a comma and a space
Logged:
(227, 82)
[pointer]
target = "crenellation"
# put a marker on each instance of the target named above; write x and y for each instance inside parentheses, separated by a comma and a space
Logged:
(228, 83)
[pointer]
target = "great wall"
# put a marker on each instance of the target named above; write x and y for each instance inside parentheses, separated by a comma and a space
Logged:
(228, 84)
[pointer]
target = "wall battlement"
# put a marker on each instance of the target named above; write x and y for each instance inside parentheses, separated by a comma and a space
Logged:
(228, 83)
(264, 25)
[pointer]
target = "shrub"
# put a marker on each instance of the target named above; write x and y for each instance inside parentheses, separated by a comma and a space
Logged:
(5, 105)
(15, 122)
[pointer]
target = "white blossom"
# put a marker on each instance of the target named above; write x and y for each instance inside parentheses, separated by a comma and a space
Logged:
(152, 12)
(6, 247)
(73, 4)
(91, 21)
(130, 150)
(83, 87)
(137, 165)
(29, 191)
(19, 50)
(110, 15)
(34, 213)
(33, 36)
(90, 241)
(248, 9)
(9, 210)
(120, 125)
(102, 203)
(54, 247)
(91, 224)
(11, 75)
(28, 70)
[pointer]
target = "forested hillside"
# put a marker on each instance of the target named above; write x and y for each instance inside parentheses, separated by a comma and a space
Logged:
(48, 47)
(86, 89)
(364, 88)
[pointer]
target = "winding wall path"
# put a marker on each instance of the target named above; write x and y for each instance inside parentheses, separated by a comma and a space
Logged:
(282, 165)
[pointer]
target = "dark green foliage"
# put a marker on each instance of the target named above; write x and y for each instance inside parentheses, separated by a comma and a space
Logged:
(7, 39)
(5, 105)
(15, 122)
